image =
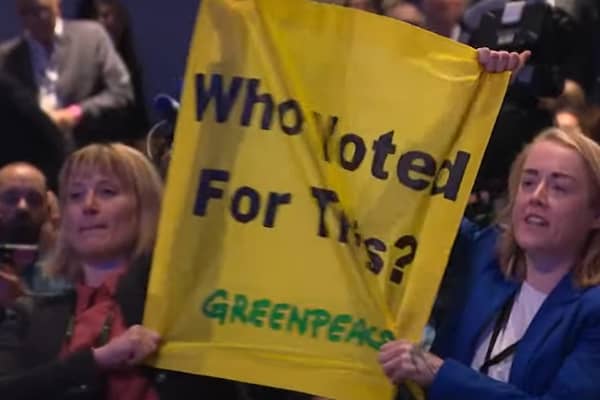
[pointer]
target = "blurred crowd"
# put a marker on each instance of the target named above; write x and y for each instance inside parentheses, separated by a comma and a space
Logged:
(81, 178)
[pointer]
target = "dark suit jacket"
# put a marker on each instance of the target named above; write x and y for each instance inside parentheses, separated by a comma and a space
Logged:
(26, 133)
(38, 373)
(91, 75)
(557, 359)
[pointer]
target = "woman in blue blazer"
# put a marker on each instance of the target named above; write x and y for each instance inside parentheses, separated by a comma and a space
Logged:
(528, 325)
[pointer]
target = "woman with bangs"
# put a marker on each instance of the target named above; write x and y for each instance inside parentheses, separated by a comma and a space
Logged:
(88, 344)
(528, 324)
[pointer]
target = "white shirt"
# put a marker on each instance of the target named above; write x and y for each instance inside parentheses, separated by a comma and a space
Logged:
(527, 303)
(455, 34)
(45, 69)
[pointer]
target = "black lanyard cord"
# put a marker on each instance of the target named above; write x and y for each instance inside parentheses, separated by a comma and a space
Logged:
(500, 324)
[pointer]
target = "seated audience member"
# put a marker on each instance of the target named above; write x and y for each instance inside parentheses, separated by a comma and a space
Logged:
(72, 69)
(115, 18)
(536, 334)
(27, 133)
(586, 120)
(443, 16)
(572, 97)
(28, 221)
(87, 344)
(407, 12)
(568, 119)
(28, 218)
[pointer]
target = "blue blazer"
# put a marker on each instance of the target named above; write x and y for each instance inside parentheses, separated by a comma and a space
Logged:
(558, 358)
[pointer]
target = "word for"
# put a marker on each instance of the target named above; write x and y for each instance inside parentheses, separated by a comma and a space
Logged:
(245, 204)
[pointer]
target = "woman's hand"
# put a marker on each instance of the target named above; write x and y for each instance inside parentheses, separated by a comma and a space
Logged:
(502, 61)
(130, 348)
(402, 361)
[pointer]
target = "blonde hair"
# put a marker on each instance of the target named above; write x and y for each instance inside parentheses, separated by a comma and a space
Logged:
(512, 258)
(135, 173)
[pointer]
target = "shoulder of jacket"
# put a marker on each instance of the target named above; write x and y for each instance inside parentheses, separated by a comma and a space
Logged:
(10, 45)
(84, 26)
(591, 296)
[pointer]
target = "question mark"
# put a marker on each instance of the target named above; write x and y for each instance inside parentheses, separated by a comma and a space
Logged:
(401, 263)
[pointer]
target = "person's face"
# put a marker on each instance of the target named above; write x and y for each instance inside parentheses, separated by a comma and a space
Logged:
(567, 121)
(444, 11)
(39, 18)
(408, 13)
(553, 211)
(23, 204)
(100, 217)
(109, 18)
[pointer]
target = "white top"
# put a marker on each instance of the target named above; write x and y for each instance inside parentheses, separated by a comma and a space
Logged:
(526, 305)
(45, 69)
(455, 34)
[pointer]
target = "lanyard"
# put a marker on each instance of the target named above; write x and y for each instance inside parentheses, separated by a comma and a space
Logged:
(500, 324)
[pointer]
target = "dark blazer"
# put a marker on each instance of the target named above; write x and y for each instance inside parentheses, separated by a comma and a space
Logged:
(39, 373)
(557, 359)
(26, 132)
(91, 75)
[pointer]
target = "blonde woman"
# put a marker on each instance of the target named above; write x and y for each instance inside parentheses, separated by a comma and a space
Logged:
(528, 326)
(87, 345)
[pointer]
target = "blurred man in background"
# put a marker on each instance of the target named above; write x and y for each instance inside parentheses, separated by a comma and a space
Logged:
(71, 68)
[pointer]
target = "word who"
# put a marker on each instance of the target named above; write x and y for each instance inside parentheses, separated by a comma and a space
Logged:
(417, 170)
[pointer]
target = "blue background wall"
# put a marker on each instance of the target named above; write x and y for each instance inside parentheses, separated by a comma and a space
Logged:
(162, 32)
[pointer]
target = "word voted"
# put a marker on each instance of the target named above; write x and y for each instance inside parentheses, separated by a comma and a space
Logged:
(416, 170)
(246, 204)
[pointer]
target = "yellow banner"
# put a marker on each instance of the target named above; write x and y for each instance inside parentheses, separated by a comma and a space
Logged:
(322, 162)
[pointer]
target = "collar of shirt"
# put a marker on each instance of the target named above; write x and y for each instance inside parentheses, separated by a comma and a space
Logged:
(456, 31)
(59, 28)
(88, 295)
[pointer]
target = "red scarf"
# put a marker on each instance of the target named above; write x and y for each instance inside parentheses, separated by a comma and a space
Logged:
(97, 311)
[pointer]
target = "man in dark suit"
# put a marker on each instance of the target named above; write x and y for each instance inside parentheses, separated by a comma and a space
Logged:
(72, 69)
